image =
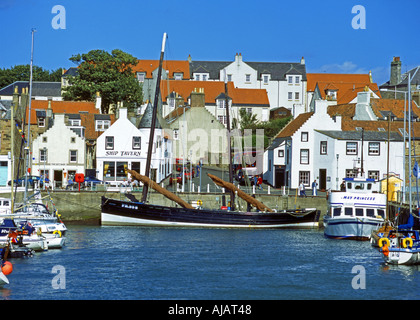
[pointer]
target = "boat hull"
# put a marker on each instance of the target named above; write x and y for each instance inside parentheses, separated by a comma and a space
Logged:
(352, 228)
(400, 256)
(116, 212)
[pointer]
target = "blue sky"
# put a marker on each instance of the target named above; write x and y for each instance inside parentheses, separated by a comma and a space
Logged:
(265, 30)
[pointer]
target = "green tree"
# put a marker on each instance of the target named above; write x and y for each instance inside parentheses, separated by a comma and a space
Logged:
(110, 74)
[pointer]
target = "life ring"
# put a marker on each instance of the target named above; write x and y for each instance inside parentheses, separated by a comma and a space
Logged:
(404, 242)
(57, 232)
(382, 240)
(199, 202)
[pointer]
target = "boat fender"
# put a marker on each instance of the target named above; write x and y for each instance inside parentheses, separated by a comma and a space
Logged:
(57, 232)
(382, 240)
(6, 268)
(385, 250)
(404, 242)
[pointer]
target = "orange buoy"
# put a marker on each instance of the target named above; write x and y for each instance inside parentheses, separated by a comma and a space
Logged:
(385, 250)
(7, 268)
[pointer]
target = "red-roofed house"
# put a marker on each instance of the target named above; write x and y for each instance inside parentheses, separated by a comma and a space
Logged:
(178, 93)
(337, 88)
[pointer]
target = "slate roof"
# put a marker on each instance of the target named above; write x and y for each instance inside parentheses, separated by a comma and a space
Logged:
(367, 135)
(146, 120)
(39, 88)
(211, 67)
(279, 70)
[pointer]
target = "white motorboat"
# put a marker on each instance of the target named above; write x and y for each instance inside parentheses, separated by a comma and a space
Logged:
(355, 212)
(401, 247)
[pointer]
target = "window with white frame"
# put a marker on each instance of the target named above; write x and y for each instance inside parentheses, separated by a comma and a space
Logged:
(281, 153)
(350, 173)
(109, 143)
(304, 136)
(221, 103)
(265, 78)
(222, 119)
(197, 77)
(41, 122)
(141, 76)
(351, 148)
(297, 79)
(229, 77)
(374, 149)
(75, 122)
(296, 95)
(73, 156)
(136, 143)
(289, 95)
(43, 155)
(178, 75)
(204, 77)
(290, 79)
(323, 147)
(304, 156)
(373, 175)
(304, 177)
(102, 125)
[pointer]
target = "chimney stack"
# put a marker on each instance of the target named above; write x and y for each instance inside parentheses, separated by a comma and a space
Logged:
(197, 98)
(395, 71)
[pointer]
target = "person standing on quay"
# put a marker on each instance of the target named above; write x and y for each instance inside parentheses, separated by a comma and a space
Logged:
(302, 190)
(314, 188)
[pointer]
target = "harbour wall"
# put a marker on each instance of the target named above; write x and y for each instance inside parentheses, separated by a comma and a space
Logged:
(84, 207)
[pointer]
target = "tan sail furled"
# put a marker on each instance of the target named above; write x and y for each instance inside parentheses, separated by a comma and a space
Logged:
(260, 206)
(159, 189)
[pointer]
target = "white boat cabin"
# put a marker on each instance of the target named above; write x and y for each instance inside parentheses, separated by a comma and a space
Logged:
(359, 198)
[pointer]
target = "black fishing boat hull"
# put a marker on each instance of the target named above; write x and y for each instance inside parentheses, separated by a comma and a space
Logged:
(117, 212)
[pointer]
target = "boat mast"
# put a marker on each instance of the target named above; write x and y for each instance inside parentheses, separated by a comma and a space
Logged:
(28, 142)
(229, 147)
(152, 127)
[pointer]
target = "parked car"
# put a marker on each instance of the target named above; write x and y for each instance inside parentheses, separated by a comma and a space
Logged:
(31, 181)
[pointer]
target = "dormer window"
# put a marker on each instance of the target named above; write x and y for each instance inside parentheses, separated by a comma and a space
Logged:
(221, 103)
(178, 75)
(41, 122)
(266, 78)
(141, 76)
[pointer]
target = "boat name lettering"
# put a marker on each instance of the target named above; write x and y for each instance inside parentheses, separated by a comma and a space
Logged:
(129, 206)
(123, 153)
(358, 198)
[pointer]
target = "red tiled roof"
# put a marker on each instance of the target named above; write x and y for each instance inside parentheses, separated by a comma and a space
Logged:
(69, 107)
(212, 89)
(294, 125)
(172, 66)
(347, 85)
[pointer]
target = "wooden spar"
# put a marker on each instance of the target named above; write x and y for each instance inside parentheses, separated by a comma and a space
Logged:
(260, 206)
(152, 127)
(158, 188)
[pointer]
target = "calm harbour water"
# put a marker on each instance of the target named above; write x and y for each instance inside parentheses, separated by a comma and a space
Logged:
(121, 263)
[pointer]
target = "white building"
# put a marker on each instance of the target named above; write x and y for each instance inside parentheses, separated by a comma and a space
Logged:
(124, 146)
(344, 154)
(59, 152)
(325, 146)
(285, 83)
(292, 159)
